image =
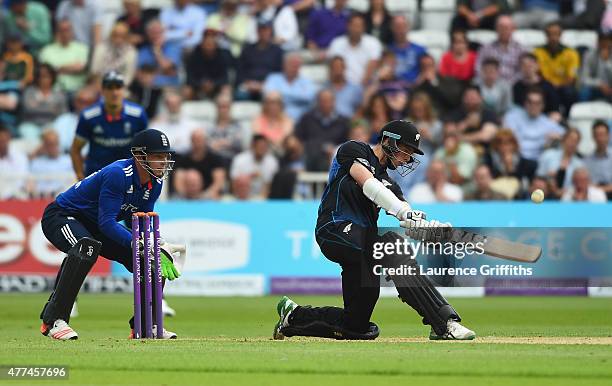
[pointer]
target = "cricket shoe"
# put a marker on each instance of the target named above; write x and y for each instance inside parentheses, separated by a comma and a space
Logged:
(74, 312)
(167, 334)
(454, 331)
(60, 330)
(166, 309)
(284, 308)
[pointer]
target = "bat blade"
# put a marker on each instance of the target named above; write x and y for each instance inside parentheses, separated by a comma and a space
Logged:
(500, 248)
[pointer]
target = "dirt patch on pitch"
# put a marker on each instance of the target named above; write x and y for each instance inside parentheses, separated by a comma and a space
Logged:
(516, 340)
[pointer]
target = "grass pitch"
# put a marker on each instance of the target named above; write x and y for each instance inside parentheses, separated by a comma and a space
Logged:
(226, 341)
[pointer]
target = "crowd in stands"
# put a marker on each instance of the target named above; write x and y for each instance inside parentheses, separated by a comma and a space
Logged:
(494, 116)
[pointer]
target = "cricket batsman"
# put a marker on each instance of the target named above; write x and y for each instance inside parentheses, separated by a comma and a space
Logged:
(84, 222)
(358, 187)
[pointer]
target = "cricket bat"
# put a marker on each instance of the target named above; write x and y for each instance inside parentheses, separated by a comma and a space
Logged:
(496, 247)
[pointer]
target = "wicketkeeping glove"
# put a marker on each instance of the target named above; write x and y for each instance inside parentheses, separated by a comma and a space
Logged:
(169, 271)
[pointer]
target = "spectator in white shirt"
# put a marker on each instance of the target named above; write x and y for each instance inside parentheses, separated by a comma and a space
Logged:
(360, 51)
(583, 190)
(531, 127)
(559, 164)
(436, 188)
(177, 126)
(252, 171)
(52, 167)
(184, 23)
(13, 166)
(284, 22)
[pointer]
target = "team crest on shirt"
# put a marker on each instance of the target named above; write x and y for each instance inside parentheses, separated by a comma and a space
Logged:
(131, 189)
(347, 228)
(127, 128)
(98, 130)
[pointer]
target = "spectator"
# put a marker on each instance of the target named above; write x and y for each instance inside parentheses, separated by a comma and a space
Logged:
(386, 82)
(13, 166)
(226, 137)
(543, 185)
(208, 164)
(596, 72)
(585, 14)
(115, 54)
(445, 92)
(42, 103)
(293, 155)
(496, 92)
(252, 170)
(292, 162)
(108, 126)
(475, 122)
(9, 101)
(530, 78)
(321, 129)
(459, 156)
(162, 53)
(459, 61)
(65, 125)
(144, 91)
(505, 49)
(19, 63)
(378, 22)
(482, 189)
(85, 18)
(67, 56)
(531, 127)
(377, 113)
(283, 19)
(273, 123)
(559, 165)
(31, 20)
(234, 27)
(582, 189)
(2, 27)
(477, 14)
(348, 95)
(208, 68)
(256, 62)
(137, 19)
(559, 65)
(184, 23)
(436, 188)
(505, 162)
(407, 53)
(189, 185)
(536, 14)
(176, 126)
(600, 162)
(326, 24)
(50, 162)
(360, 52)
(298, 92)
(424, 117)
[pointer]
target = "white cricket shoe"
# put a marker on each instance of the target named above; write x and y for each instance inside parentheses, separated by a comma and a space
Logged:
(167, 334)
(74, 312)
(60, 331)
(166, 309)
(454, 331)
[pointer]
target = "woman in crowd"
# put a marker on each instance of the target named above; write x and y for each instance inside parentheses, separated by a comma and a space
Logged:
(273, 123)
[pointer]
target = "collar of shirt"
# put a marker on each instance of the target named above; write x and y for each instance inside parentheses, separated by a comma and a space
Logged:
(554, 51)
(110, 117)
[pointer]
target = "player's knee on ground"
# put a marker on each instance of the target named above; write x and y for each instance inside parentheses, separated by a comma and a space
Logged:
(322, 329)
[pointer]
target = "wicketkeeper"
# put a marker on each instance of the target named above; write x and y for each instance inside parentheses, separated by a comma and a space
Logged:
(358, 187)
(84, 222)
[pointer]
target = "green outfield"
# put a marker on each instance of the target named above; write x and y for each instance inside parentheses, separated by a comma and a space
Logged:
(226, 341)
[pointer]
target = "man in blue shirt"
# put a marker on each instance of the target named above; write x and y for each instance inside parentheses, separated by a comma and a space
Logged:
(407, 53)
(84, 221)
(325, 24)
(108, 126)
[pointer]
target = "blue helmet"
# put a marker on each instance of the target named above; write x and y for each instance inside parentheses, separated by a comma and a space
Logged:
(153, 141)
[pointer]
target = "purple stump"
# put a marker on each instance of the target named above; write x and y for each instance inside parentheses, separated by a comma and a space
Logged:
(159, 314)
(148, 279)
(136, 277)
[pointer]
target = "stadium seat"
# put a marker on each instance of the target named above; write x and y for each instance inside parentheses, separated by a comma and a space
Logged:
(579, 38)
(430, 38)
(482, 36)
(357, 5)
(436, 53)
(530, 38)
(245, 111)
(199, 110)
(437, 14)
(316, 72)
(401, 6)
(156, 4)
(582, 115)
